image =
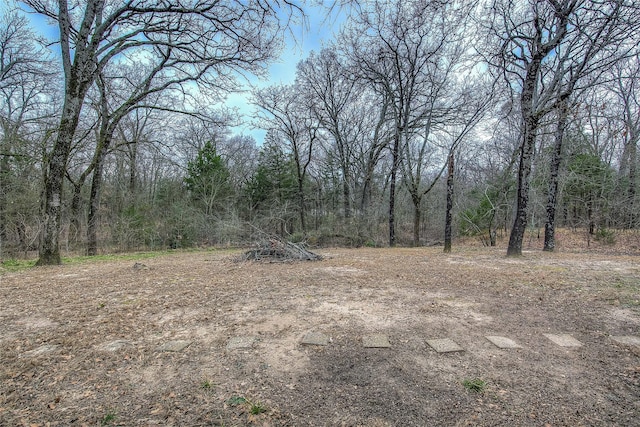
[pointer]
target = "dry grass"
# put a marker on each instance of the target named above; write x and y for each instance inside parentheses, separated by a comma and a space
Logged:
(80, 343)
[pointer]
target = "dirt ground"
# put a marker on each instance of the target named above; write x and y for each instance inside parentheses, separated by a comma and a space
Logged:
(81, 343)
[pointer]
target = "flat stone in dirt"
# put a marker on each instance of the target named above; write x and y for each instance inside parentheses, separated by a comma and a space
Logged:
(564, 340)
(315, 338)
(628, 340)
(114, 345)
(139, 266)
(503, 342)
(376, 341)
(175, 346)
(241, 342)
(43, 349)
(444, 345)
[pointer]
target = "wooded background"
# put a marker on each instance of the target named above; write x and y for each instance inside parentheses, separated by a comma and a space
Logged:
(422, 120)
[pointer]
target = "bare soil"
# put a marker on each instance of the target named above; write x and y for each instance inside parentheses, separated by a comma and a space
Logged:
(81, 344)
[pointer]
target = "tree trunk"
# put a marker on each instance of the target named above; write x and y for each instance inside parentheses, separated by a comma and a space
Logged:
(524, 170)
(55, 169)
(346, 194)
(417, 217)
(78, 79)
(133, 154)
(552, 196)
(530, 122)
(448, 220)
(94, 204)
(74, 215)
(344, 166)
(76, 200)
(4, 172)
(52, 215)
(105, 137)
(633, 165)
(301, 201)
(392, 189)
(365, 199)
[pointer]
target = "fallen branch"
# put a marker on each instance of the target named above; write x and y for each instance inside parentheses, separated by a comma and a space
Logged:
(275, 249)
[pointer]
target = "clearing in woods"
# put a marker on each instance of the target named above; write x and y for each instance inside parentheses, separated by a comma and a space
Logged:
(199, 339)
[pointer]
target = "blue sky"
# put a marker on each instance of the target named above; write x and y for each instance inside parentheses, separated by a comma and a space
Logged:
(320, 29)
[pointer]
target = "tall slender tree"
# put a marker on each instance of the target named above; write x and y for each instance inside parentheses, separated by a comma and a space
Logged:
(405, 51)
(333, 96)
(284, 111)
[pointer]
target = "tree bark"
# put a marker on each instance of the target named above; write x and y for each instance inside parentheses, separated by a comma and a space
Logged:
(55, 169)
(4, 173)
(524, 170)
(76, 200)
(417, 218)
(344, 166)
(94, 200)
(552, 196)
(79, 74)
(633, 182)
(448, 220)
(133, 177)
(392, 188)
(346, 194)
(302, 202)
(74, 214)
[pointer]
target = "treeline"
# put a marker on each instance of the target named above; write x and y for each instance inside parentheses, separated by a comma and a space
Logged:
(421, 121)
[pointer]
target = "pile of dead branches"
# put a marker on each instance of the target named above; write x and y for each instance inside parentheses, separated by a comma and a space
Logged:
(275, 249)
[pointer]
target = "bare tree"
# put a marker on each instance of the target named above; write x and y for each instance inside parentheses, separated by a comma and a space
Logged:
(376, 134)
(333, 97)
(356, 131)
(527, 34)
(402, 50)
(283, 110)
(452, 117)
(26, 95)
(448, 220)
(626, 87)
(534, 34)
(204, 41)
(599, 38)
(484, 174)
(143, 88)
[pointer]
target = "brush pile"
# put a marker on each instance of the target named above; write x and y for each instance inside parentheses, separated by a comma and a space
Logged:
(275, 249)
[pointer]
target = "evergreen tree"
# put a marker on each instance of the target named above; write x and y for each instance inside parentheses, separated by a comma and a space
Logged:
(208, 180)
(588, 190)
(272, 189)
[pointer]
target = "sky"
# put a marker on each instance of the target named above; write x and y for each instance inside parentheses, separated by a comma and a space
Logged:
(300, 41)
(320, 30)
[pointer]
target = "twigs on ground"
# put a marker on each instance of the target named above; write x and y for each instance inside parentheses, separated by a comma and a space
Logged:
(275, 249)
